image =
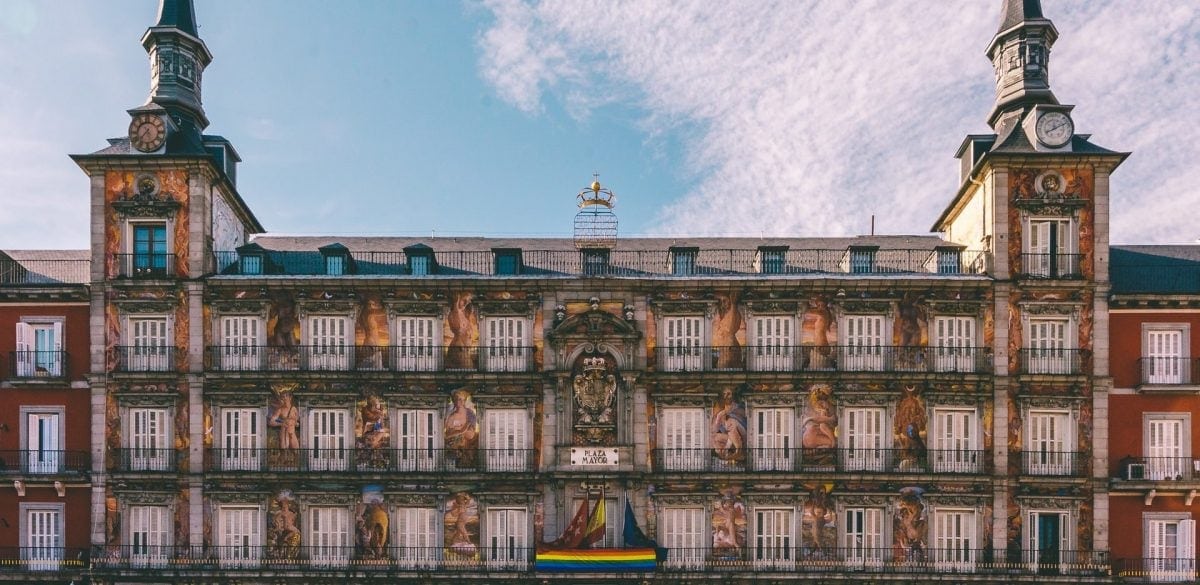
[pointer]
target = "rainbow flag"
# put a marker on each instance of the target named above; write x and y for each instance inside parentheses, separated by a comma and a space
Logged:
(600, 560)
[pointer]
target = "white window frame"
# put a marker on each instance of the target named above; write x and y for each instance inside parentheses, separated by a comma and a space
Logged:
(507, 343)
(952, 528)
(149, 534)
(1158, 365)
(507, 538)
(864, 340)
(862, 449)
(863, 536)
(681, 343)
(683, 448)
(1167, 562)
(45, 550)
(1038, 264)
(32, 361)
(506, 435)
(418, 537)
(236, 456)
(773, 343)
(774, 438)
(239, 548)
(242, 339)
(329, 351)
(955, 340)
(774, 533)
(418, 440)
(1167, 462)
(613, 517)
(149, 357)
(1041, 461)
(954, 440)
(329, 449)
(329, 535)
(40, 458)
(149, 440)
(684, 531)
(128, 247)
(418, 341)
(1033, 541)
(1048, 355)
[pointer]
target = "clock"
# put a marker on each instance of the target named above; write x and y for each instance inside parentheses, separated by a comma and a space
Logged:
(1054, 129)
(147, 132)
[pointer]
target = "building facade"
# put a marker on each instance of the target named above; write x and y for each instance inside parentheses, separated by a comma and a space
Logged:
(429, 409)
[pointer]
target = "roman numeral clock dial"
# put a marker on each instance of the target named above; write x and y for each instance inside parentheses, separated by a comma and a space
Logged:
(147, 132)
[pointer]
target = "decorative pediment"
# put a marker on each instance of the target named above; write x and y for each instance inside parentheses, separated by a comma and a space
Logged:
(1066, 501)
(1049, 204)
(964, 501)
(773, 306)
(1060, 309)
(413, 500)
(936, 399)
(956, 307)
(505, 499)
(526, 307)
(872, 399)
(238, 496)
(144, 497)
(326, 498)
(865, 307)
(416, 308)
(157, 400)
(145, 307)
(156, 390)
(327, 307)
(683, 499)
(768, 499)
(594, 324)
(682, 400)
(147, 203)
(684, 307)
(240, 306)
(863, 500)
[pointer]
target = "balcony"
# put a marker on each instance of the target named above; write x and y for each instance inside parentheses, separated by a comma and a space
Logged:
(372, 460)
(49, 559)
(1052, 361)
(1157, 570)
(1061, 266)
(334, 558)
(840, 358)
(145, 265)
(700, 460)
(139, 358)
(249, 358)
(138, 460)
(890, 560)
(1167, 372)
(1171, 469)
(38, 272)
(37, 365)
(26, 462)
(1053, 463)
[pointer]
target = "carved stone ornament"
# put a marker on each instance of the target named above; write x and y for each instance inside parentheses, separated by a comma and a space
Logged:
(326, 307)
(682, 400)
(495, 401)
(594, 325)
(1060, 402)
(505, 499)
(146, 200)
(151, 391)
(145, 497)
(328, 498)
(937, 399)
(1060, 309)
(145, 307)
(683, 499)
(414, 500)
(956, 501)
(516, 307)
(873, 399)
(238, 497)
(241, 399)
(865, 307)
(411, 308)
(595, 389)
(963, 308)
(772, 307)
(767, 499)
(692, 307)
(864, 500)
(1065, 502)
(771, 399)
(240, 307)
(159, 400)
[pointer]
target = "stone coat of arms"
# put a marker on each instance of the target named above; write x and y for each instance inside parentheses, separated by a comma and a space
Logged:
(595, 389)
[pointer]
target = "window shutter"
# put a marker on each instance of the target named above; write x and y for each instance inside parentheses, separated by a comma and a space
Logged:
(25, 355)
(1187, 542)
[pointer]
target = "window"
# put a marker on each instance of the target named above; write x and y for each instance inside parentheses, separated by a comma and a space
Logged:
(954, 344)
(683, 439)
(239, 536)
(774, 344)
(419, 264)
(1170, 547)
(863, 343)
(773, 260)
(43, 439)
(1049, 346)
(955, 448)
(329, 536)
(683, 261)
(151, 350)
(150, 250)
(328, 431)
(508, 262)
(241, 340)
(149, 535)
(252, 264)
(862, 538)
(613, 515)
(330, 340)
(949, 260)
(1168, 445)
(595, 262)
(773, 537)
(42, 536)
(39, 349)
(1049, 245)
(416, 440)
(507, 538)
(954, 540)
(148, 446)
(417, 346)
(682, 337)
(506, 443)
(240, 439)
(773, 444)
(507, 344)
(1165, 354)
(862, 260)
(417, 540)
(863, 439)
(1048, 541)
(335, 265)
(1048, 451)
(683, 533)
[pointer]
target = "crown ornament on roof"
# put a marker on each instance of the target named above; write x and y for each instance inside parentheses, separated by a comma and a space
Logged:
(595, 194)
(595, 224)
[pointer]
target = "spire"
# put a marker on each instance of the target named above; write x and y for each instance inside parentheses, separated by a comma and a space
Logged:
(178, 14)
(1020, 55)
(177, 61)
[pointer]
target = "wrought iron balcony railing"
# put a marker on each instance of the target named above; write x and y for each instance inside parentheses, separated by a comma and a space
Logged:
(1054, 463)
(754, 459)
(25, 272)
(43, 558)
(143, 358)
(926, 561)
(146, 265)
(41, 462)
(1052, 265)
(350, 460)
(844, 358)
(1051, 361)
(37, 364)
(345, 358)
(1160, 469)
(1168, 371)
(143, 460)
(1158, 570)
(283, 557)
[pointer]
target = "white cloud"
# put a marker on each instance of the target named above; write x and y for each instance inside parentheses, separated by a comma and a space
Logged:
(806, 118)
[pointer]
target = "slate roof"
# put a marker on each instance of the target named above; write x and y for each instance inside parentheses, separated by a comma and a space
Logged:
(1015, 12)
(44, 267)
(180, 14)
(1166, 270)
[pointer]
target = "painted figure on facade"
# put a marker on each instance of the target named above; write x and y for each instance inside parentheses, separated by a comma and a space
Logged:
(595, 392)
(818, 431)
(462, 430)
(910, 332)
(911, 525)
(371, 431)
(727, 330)
(727, 427)
(112, 522)
(818, 331)
(462, 332)
(819, 522)
(371, 525)
(461, 523)
(728, 525)
(284, 417)
(283, 534)
(911, 423)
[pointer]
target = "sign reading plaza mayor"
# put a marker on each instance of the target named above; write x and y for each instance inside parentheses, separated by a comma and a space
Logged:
(594, 456)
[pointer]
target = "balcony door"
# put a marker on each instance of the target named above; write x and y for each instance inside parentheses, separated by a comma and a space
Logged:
(39, 350)
(863, 351)
(954, 540)
(240, 440)
(773, 443)
(417, 346)
(507, 541)
(240, 536)
(1165, 449)
(150, 351)
(1164, 351)
(416, 440)
(1048, 536)
(43, 539)
(506, 345)
(682, 339)
(955, 349)
(863, 537)
(1171, 550)
(1048, 347)
(774, 540)
(149, 536)
(864, 440)
(328, 430)
(1048, 451)
(683, 534)
(240, 340)
(417, 543)
(683, 439)
(43, 442)
(955, 449)
(330, 341)
(506, 443)
(148, 448)
(329, 536)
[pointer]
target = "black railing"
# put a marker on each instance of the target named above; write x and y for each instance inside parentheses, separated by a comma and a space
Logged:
(350, 460)
(845, 358)
(1051, 265)
(658, 263)
(1158, 570)
(1055, 463)
(755, 459)
(135, 459)
(43, 558)
(34, 462)
(244, 358)
(146, 265)
(37, 364)
(926, 561)
(140, 358)
(280, 557)
(1168, 371)
(43, 272)
(1051, 361)
(1159, 469)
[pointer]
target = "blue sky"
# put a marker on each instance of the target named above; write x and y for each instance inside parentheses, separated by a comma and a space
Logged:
(796, 118)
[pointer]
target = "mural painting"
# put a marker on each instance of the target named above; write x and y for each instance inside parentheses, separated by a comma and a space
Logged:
(728, 525)
(283, 530)
(595, 387)
(461, 434)
(112, 522)
(182, 511)
(911, 331)
(910, 526)
(727, 427)
(371, 336)
(372, 436)
(461, 523)
(728, 333)
(183, 438)
(818, 427)
(818, 524)
(112, 433)
(283, 333)
(371, 525)
(283, 418)
(911, 432)
(165, 194)
(818, 330)
(462, 331)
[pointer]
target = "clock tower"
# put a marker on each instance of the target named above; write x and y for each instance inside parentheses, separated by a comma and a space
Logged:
(173, 111)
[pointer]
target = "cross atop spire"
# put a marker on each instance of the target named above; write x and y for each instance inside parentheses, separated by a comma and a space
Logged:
(180, 14)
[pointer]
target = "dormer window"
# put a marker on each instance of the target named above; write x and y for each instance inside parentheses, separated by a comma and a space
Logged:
(683, 261)
(772, 259)
(949, 260)
(508, 261)
(595, 261)
(420, 260)
(251, 259)
(861, 259)
(252, 264)
(337, 259)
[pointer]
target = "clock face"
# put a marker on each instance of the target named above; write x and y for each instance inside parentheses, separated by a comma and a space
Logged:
(147, 132)
(1054, 129)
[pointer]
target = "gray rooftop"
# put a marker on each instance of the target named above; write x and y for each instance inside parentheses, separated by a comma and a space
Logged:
(44, 267)
(1165, 270)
